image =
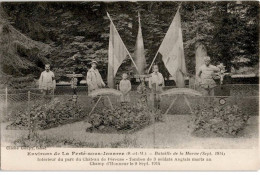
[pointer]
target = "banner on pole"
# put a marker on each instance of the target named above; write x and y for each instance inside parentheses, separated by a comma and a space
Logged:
(172, 52)
(116, 54)
(139, 55)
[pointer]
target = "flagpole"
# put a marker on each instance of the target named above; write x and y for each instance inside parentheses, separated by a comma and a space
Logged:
(153, 61)
(179, 6)
(122, 42)
(139, 21)
(160, 46)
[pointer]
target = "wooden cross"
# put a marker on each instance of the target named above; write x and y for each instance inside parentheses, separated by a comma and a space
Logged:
(72, 76)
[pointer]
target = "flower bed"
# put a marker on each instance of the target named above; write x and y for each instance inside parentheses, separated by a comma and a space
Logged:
(47, 116)
(210, 120)
(124, 118)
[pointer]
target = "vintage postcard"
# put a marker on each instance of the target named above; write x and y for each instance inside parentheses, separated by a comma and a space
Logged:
(123, 85)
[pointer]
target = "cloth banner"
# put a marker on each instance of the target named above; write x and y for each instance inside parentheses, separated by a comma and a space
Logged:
(172, 51)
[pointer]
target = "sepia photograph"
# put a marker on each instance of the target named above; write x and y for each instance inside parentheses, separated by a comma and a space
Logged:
(122, 74)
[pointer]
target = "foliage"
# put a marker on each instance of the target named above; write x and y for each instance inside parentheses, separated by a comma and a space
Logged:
(16, 82)
(46, 116)
(78, 32)
(210, 120)
(20, 55)
(124, 118)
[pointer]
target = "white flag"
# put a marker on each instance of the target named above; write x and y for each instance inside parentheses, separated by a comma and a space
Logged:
(172, 51)
(139, 57)
(116, 53)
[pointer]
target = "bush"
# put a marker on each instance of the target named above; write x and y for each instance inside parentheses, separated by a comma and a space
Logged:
(212, 120)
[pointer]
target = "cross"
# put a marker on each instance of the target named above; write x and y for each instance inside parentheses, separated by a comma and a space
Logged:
(222, 72)
(72, 76)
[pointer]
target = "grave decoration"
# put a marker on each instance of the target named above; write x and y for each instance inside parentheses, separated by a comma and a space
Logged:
(222, 72)
(98, 94)
(180, 92)
(220, 121)
(124, 118)
(55, 113)
(141, 89)
(74, 81)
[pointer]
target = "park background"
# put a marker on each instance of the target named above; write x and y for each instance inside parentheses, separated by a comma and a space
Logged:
(69, 35)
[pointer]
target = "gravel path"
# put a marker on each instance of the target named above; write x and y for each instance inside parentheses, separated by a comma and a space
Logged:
(173, 133)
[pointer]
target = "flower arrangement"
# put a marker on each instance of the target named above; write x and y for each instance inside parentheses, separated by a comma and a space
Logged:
(222, 72)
